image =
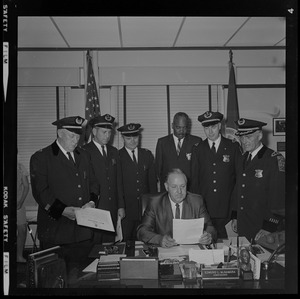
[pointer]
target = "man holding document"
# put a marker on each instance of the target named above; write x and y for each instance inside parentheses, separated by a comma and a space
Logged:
(176, 204)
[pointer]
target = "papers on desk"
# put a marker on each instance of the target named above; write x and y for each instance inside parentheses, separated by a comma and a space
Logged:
(206, 257)
(176, 252)
(187, 231)
(92, 267)
(243, 242)
(95, 218)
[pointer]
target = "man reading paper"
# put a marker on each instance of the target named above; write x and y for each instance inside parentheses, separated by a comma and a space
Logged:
(157, 221)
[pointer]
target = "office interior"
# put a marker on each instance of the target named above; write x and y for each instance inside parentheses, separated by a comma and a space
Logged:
(147, 69)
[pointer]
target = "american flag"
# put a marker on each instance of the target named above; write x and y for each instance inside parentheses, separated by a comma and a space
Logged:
(232, 104)
(92, 106)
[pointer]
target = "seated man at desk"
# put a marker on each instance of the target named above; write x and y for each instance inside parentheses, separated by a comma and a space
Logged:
(157, 222)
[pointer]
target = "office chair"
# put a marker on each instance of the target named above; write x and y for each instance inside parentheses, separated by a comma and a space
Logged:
(144, 201)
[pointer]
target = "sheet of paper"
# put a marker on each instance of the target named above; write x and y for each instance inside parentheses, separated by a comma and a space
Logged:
(207, 257)
(92, 267)
(96, 218)
(230, 232)
(243, 242)
(187, 231)
(255, 266)
(111, 258)
(175, 252)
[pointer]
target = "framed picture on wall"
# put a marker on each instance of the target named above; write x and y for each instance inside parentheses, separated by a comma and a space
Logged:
(278, 126)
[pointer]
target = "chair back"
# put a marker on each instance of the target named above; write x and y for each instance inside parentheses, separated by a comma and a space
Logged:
(144, 202)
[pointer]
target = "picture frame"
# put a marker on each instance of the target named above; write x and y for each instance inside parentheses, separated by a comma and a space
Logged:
(279, 126)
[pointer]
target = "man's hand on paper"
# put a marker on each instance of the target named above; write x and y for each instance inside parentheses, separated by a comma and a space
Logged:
(90, 204)
(121, 213)
(167, 242)
(69, 212)
(205, 238)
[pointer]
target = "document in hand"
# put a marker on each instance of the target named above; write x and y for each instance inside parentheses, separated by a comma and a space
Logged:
(187, 231)
(95, 218)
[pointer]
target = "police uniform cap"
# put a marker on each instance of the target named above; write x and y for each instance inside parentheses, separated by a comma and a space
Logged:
(71, 123)
(248, 126)
(210, 118)
(130, 129)
(102, 121)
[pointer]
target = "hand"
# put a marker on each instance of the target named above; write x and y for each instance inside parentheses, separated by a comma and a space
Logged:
(69, 212)
(121, 213)
(205, 238)
(90, 204)
(234, 225)
(260, 234)
(167, 242)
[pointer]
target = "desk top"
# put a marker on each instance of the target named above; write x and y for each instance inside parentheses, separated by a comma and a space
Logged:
(273, 280)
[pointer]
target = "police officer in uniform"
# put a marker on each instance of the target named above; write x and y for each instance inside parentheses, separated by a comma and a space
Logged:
(107, 167)
(63, 181)
(139, 177)
(213, 171)
(259, 195)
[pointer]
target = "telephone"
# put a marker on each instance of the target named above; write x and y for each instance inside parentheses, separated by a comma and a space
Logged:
(273, 240)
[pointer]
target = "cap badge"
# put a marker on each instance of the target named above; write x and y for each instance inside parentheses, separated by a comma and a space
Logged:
(241, 121)
(78, 121)
(108, 117)
(207, 114)
(131, 127)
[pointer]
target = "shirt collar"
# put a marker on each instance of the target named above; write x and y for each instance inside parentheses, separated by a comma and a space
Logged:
(99, 146)
(129, 151)
(62, 149)
(176, 139)
(217, 142)
(254, 153)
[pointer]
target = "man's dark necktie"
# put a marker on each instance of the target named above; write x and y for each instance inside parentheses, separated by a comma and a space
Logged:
(71, 158)
(103, 152)
(178, 147)
(213, 148)
(177, 211)
(248, 160)
(133, 157)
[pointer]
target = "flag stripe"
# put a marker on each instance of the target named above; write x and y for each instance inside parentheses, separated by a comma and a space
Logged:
(92, 106)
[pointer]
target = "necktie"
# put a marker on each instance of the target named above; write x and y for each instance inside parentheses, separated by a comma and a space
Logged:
(213, 148)
(178, 147)
(248, 160)
(177, 211)
(71, 158)
(103, 151)
(133, 157)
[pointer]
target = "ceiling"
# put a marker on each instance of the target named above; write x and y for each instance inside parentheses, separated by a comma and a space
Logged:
(121, 33)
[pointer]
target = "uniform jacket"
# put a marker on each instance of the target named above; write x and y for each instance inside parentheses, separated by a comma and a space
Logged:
(109, 176)
(158, 217)
(166, 157)
(137, 180)
(213, 175)
(56, 182)
(259, 191)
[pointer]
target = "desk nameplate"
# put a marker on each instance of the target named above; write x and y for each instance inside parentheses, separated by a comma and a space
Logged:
(220, 273)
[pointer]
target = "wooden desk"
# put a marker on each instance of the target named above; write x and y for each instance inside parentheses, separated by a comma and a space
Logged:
(273, 284)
